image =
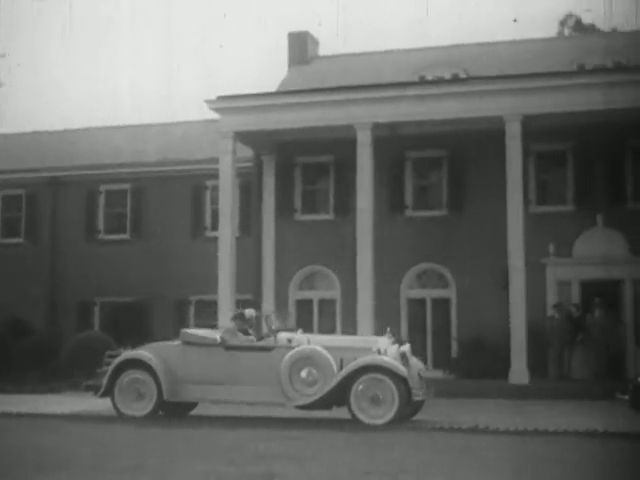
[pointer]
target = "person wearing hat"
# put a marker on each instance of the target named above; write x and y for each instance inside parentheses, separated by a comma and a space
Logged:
(241, 330)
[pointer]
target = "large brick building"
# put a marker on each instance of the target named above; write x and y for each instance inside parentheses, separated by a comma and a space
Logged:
(450, 193)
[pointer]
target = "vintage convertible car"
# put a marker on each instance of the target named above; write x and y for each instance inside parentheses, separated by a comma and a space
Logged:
(375, 377)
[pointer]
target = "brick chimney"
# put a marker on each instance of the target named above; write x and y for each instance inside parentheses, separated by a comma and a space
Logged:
(303, 47)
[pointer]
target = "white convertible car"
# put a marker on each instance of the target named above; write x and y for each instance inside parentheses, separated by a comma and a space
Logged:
(375, 377)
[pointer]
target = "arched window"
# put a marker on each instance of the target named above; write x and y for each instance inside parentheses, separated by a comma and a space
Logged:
(314, 300)
(428, 314)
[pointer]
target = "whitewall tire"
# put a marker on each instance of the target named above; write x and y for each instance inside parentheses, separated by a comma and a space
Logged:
(377, 398)
(136, 393)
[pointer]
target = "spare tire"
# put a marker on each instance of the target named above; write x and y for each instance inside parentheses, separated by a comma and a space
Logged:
(306, 371)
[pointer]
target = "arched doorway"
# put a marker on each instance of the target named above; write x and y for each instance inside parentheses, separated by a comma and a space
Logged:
(428, 314)
(314, 300)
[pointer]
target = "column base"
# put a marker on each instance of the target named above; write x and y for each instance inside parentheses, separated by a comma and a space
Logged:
(519, 376)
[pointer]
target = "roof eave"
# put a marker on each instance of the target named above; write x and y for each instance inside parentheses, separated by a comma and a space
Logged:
(275, 98)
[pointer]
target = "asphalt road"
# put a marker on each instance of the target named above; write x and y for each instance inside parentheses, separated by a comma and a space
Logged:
(34, 448)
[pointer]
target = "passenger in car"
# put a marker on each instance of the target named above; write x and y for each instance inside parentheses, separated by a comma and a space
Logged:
(242, 329)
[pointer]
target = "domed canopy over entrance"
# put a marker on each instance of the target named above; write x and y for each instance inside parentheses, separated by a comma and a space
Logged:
(601, 242)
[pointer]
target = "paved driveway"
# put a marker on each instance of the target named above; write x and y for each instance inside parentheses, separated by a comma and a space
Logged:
(550, 415)
(79, 448)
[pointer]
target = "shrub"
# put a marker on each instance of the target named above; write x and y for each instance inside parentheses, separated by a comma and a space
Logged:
(36, 354)
(13, 330)
(84, 353)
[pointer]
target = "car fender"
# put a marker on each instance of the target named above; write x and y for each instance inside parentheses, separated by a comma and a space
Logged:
(330, 395)
(131, 357)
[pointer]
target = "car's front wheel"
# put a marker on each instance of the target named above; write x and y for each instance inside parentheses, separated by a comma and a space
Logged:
(136, 393)
(377, 398)
(177, 409)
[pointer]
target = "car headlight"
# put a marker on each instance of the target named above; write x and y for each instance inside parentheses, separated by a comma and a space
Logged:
(407, 349)
(404, 358)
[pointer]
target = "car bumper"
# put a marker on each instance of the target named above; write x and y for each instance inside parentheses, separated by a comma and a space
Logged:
(420, 388)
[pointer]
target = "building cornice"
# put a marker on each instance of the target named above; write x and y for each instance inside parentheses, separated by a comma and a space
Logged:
(470, 98)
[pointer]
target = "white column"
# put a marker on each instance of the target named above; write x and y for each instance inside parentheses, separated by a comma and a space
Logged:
(519, 371)
(365, 271)
(226, 230)
(268, 233)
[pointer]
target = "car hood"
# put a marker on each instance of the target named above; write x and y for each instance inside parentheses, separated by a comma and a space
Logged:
(341, 341)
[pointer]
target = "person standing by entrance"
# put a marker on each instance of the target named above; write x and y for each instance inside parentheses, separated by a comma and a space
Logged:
(559, 340)
(598, 337)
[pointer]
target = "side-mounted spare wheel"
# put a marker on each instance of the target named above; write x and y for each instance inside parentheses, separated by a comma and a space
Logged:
(306, 372)
(377, 397)
(136, 392)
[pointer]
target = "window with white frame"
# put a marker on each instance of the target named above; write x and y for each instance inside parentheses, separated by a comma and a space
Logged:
(314, 296)
(12, 215)
(551, 178)
(633, 175)
(212, 208)
(203, 310)
(426, 181)
(314, 187)
(114, 218)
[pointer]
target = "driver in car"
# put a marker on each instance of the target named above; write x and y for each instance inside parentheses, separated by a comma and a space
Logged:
(242, 329)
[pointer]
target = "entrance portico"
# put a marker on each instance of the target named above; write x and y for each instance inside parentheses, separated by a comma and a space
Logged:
(600, 254)
(364, 111)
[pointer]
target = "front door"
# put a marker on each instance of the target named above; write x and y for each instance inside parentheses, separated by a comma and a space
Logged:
(607, 338)
(429, 330)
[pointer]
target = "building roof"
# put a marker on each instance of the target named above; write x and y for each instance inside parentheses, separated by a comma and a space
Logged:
(479, 60)
(162, 144)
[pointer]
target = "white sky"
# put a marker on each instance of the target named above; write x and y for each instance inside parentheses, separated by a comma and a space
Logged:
(76, 63)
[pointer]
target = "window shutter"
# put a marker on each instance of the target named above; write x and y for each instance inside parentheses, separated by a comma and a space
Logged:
(245, 208)
(344, 185)
(197, 210)
(456, 182)
(397, 204)
(285, 171)
(614, 178)
(584, 180)
(91, 215)
(137, 212)
(181, 316)
(31, 217)
(84, 316)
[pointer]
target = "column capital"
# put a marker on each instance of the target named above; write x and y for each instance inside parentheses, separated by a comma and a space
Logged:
(227, 135)
(513, 119)
(363, 127)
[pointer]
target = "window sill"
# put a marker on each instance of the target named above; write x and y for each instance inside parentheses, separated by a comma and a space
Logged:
(12, 241)
(426, 213)
(311, 217)
(213, 235)
(552, 209)
(110, 238)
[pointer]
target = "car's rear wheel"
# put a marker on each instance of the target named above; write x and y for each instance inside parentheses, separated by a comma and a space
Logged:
(177, 409)
(136, 393)
(411, 409)
(377, 398)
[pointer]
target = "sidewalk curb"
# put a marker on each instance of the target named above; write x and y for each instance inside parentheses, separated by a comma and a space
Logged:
(422, 424)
